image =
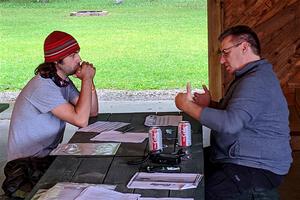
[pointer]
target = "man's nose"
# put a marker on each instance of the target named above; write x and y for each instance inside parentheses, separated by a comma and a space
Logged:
(222, 60)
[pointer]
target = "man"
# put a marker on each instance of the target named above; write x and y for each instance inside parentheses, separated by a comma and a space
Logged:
(41, 111)
(250, 151)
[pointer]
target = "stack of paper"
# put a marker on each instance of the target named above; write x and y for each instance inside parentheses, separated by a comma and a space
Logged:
(76, 191)
(67, 190)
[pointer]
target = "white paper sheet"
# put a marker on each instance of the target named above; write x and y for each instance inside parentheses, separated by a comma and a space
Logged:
(101, 126)
(166, 120)
(93, 192)
(117, 136)
(165, 181)
(68, 191)
(86, 149)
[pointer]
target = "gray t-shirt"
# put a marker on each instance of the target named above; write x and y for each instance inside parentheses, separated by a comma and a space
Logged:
(34, 131)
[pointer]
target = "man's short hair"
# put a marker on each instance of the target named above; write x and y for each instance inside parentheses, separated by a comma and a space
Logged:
(243, 33)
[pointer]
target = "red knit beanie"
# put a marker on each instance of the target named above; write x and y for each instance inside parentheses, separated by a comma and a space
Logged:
(59, 45)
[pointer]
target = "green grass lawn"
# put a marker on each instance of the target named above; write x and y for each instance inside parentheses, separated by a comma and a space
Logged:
(141, 44)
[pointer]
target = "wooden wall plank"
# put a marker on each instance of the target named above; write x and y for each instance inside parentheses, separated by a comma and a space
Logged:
(277, 24)
(252, 12)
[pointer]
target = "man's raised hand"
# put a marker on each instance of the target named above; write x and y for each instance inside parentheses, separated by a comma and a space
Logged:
(203, 99)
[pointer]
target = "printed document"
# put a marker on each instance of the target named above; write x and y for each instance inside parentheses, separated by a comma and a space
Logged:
(83, 191)
(166, 120)
(101, 126)
(117, 136)
(164, 181)
(93, 192)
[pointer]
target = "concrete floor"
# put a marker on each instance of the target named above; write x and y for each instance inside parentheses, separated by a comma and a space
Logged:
(289, 190)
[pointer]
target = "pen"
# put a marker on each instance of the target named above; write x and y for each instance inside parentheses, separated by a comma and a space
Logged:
(129, 128)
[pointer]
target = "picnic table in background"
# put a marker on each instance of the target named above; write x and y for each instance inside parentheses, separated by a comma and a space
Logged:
(3, 106)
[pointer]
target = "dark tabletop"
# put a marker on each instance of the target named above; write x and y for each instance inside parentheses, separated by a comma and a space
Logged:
(115, 170)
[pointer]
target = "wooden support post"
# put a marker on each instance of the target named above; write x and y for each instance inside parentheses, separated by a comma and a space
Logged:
(215, 21)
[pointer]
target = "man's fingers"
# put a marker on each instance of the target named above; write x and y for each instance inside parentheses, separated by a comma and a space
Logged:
(196, 94)
(194, 98)
(205, 88)
(189, 92)
(188, 88)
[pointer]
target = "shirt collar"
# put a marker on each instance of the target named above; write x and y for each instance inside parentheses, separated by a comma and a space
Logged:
(249, 66)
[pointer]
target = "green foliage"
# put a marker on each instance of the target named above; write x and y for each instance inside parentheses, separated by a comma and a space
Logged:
(141, 44)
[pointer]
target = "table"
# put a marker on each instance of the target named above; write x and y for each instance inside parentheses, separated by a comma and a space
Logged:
(115, 170)
(3, 106)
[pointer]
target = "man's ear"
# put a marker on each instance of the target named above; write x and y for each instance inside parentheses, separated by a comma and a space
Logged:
(245, 46)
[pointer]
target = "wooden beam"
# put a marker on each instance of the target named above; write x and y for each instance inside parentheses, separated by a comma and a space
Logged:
(215, 21)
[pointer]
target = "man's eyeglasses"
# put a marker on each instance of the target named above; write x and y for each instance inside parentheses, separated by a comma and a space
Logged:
(225, 52)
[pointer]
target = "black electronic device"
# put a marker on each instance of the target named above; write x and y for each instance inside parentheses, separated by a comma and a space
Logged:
(168, 159)
(161, 158)
(163, 169)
